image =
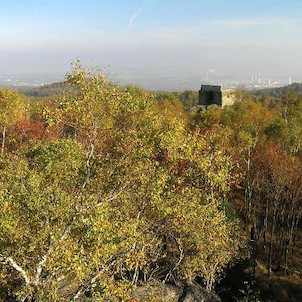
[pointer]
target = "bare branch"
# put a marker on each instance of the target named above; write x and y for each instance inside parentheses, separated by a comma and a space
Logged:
(10, 261)
(181, 256)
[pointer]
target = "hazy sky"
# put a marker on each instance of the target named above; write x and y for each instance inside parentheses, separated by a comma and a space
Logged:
(153, 40)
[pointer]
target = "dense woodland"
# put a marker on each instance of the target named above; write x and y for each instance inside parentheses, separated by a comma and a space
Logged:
(278, 92)
(104, 188)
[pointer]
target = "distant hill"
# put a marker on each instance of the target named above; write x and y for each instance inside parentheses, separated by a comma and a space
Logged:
(44, 91)
(278, 92)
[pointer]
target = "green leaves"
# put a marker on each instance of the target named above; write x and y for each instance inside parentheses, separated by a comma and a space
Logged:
(130, 190)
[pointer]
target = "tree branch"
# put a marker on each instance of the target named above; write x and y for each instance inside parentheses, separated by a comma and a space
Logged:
(10, 261)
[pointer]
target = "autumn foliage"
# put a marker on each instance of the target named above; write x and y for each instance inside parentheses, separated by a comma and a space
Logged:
(104, 187)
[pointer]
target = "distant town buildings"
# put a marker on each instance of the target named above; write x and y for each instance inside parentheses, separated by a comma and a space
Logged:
(252, 82)
(167, 82)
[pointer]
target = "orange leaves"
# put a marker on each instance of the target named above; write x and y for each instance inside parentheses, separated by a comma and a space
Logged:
(27, 131)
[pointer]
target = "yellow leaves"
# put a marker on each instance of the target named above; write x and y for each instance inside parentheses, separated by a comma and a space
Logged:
(12, 107)
(149, 185)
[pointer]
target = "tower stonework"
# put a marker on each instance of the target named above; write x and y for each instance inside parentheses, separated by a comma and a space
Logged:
(214, 95)
(228, 97)
(210, 95)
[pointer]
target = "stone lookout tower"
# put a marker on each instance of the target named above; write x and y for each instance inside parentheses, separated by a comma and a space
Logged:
(210, 95)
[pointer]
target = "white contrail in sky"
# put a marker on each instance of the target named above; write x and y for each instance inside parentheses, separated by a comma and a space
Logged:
(133, 17)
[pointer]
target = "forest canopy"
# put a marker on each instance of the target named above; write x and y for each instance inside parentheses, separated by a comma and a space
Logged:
(103, 188)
